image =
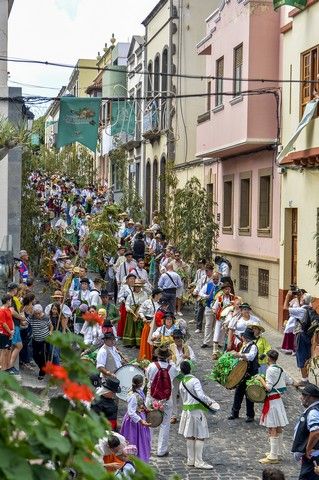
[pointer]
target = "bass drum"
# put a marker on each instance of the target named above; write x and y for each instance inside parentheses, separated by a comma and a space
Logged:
(125, 375)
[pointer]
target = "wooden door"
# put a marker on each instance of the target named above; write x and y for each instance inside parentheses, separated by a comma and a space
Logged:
(294, 245)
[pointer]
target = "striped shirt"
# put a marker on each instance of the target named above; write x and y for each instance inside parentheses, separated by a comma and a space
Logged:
(40, 328)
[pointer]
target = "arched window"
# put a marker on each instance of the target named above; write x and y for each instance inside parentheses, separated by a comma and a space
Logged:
(164, 70)
(162, 185)
(148, 192)
(150, 79)
(157, 75)
(155, 186)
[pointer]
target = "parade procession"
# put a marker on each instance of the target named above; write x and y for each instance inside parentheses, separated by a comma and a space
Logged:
(159, 240)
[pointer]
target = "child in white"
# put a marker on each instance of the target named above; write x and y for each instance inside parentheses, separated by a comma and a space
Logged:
(273, 413)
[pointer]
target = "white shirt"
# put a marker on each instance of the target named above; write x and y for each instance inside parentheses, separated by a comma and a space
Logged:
(135, 299)
(180, 355)
(250, 356)
(124, 269)
(101, 358)
(65, 310)
(94, 298)
(195, 387)
(132, 407)
(148, 309)
(92, 333)
(152, 370)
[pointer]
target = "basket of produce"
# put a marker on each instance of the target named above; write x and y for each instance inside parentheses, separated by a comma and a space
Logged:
(229, 371)
(255, 390)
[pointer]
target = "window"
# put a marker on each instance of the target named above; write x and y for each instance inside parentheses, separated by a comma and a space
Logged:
(228, 205)
(149, 79)
(137, 177)
(309, 72)
(162, 184)
(209, 96)
(138, 114)
(164, 89)
(245, 201)
(238, 67)
(155, 186)
(219, 81)
(148, 192)
(263, 282)
(243, 278)
(265, 203)
(157, 76)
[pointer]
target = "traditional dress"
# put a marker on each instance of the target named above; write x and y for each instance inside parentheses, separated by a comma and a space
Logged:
(221, 302)
(123, 294)
(147, 312)
(274, 413)
(164, 335)
(134, 325)
(193, 421)
(133, 430)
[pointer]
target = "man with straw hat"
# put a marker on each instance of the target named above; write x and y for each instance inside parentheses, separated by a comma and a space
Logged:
(160, 376)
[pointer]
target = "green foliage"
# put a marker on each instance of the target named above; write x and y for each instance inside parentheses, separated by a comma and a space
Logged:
(130, 201)
(101, 240)
(190, 223)
(42, 439)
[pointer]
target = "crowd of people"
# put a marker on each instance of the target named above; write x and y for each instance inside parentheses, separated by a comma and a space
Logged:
(139, 300)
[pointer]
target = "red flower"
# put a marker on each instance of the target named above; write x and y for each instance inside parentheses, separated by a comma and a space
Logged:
(75, 391)
(56, 371)
(93, 317)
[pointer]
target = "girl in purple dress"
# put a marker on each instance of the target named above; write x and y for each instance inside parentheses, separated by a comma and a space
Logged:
(134, 426)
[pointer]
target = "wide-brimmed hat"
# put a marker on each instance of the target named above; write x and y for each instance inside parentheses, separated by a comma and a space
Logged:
(131, 222)
(248, 334)
(139, 282)
(23, 253)
(123, 214)
(311, 390)
(85, 280)
(163, 352)
(127, 253)
(12, 286)
(256, 325)
(245, 305)
(109, 385)
(130, 275)
(169, 315)
(76, 270)
(156, 291)
(225, 285)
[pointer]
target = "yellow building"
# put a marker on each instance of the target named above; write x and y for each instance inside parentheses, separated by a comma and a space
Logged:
(82, 76)
(299, 243)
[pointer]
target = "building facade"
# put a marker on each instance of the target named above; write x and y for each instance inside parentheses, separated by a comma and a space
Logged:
(172, 30)
(236, 138)
(299, 241)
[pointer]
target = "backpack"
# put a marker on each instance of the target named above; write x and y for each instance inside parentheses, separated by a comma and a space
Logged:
(161, 388)
(311, 321)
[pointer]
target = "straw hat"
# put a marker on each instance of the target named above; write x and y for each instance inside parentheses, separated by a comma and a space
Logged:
(57, 294)
(256, 325)
(139, 282)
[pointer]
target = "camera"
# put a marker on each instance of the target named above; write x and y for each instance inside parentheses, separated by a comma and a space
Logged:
(294, 290)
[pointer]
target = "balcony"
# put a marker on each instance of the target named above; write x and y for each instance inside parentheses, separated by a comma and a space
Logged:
(151, 120)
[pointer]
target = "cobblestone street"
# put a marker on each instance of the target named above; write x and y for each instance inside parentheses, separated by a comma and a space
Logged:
(234, 447)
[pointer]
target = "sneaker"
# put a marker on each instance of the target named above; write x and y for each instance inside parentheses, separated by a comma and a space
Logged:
(204, 345)
(269, 461)
(249, 419)
(13, 371)
(197, 330)
(180, 314)
(191, 322)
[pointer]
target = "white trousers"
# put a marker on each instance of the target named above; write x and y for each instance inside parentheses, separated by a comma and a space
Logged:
(175, 394)
(163, 436)
(219, 334)
(209, 318)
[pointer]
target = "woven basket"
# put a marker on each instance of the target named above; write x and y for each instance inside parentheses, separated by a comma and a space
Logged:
(256, 393)
(236, 375)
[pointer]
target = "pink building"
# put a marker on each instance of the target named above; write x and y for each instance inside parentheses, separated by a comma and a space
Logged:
(236, 138)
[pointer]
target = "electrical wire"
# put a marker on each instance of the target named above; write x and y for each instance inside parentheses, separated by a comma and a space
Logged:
(177, 75)
(42, 99)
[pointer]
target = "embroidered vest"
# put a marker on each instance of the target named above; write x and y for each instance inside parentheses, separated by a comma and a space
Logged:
(302, 433)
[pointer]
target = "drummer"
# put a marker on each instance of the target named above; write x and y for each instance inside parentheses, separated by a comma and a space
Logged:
(180, 351)
(273, 413)
(109, 359)
(248, 352)
(193, 425)
(263, 346)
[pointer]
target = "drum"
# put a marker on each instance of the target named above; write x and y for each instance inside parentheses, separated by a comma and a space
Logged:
(226, 311)
(125, 375)
(154, 417)
(229, 371)
(255, 391)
